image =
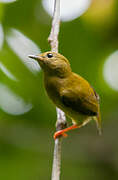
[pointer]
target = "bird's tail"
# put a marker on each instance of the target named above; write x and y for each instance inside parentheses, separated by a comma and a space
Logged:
(98, 121)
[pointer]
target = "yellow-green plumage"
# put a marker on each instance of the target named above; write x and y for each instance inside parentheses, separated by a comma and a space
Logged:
(69, 91)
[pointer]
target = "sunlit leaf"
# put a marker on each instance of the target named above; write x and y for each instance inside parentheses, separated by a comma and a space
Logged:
(1, 36)
(23, 46)
(7, 1)
(69, 10)
(7, 72)
(110, 70)
(12, 103)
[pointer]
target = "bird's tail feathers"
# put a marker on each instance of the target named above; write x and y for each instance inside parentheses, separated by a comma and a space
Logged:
(98, 122)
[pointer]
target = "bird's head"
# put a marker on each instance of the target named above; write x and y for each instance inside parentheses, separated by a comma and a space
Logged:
(53, 63)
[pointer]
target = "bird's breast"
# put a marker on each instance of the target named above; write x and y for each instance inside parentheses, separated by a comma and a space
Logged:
(53, 86)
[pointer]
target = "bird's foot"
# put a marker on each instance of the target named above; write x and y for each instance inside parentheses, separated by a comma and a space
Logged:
(59, 134)
(62, 132)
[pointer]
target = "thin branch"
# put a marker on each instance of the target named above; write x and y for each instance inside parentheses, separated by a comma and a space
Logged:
(56, 160)
(53, 37)
(61, 120)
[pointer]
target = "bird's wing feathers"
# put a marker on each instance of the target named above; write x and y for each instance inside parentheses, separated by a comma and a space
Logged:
(82, 103)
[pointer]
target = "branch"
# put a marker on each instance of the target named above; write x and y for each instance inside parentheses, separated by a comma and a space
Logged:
(53, 37)
(61, 120)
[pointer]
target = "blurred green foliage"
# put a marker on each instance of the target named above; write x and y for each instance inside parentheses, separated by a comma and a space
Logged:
(26, 143)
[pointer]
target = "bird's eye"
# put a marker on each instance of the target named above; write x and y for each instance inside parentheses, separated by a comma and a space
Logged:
(49, 55)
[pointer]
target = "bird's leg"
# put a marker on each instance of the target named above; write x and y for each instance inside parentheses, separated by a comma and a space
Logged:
(62, 132)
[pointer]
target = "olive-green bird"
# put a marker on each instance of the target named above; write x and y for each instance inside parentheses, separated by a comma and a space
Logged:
(69, 91)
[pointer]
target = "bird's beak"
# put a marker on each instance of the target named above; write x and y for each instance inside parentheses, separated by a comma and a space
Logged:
(36, 57)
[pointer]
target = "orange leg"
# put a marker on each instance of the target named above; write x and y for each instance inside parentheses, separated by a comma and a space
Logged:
(62, 132)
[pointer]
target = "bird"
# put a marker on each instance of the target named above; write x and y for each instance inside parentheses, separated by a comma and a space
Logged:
(69, 91)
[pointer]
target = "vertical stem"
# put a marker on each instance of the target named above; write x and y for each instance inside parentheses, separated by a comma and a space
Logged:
(56, 160)
(53, 37)
(61, 120)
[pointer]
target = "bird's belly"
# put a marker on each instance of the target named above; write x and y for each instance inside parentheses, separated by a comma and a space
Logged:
(77, 117)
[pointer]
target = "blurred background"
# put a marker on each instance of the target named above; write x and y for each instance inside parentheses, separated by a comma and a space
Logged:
(89, 39)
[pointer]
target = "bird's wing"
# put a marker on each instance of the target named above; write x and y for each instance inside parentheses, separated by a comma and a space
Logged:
(80, 102)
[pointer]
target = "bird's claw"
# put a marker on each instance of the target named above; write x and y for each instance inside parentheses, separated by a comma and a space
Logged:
(59, 134)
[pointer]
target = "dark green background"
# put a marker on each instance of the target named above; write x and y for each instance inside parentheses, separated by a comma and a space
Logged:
(26, 141)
